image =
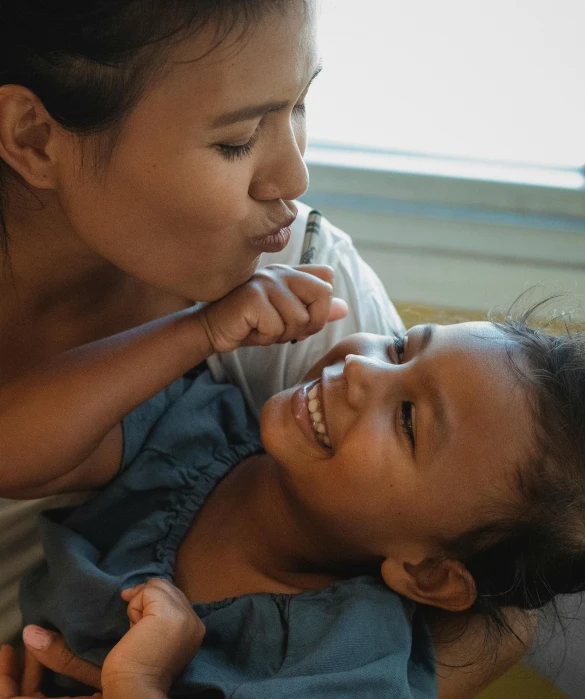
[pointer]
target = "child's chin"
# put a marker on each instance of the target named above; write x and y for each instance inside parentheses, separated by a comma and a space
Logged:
(275, 418)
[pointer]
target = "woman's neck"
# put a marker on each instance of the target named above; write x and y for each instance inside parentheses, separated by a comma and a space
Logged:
(248, 538)
(57, 293)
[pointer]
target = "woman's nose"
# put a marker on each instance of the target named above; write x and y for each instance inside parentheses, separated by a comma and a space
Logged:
(284, 175)
(366, 377)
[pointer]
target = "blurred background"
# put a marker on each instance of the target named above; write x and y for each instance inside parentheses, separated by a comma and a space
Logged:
(447, 138)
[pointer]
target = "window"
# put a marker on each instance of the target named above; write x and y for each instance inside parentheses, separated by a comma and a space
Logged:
(489, 80)
(448, 138)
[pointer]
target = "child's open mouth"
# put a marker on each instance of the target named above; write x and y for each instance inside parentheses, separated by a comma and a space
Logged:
(314, 405)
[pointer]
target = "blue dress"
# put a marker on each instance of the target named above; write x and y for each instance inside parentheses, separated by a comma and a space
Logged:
(355, 638)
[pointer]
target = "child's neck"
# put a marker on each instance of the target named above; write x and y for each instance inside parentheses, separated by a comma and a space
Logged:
(246, 539)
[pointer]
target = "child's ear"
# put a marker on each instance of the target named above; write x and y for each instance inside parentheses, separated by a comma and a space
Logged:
(446, 584)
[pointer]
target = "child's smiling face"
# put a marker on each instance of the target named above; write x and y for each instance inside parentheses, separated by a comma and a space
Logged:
(423, 437)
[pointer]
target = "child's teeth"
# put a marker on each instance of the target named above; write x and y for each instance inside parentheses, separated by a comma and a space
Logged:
(317, 416)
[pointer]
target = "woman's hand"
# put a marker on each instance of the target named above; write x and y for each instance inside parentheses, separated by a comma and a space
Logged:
(17, 683)
(139, 665)
(165, 634)
(278, 304)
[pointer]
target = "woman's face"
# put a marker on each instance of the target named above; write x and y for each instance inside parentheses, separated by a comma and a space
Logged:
(207, 165)
(422, 437)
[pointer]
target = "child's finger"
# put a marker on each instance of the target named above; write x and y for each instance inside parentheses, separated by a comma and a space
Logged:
(129, 592)
(135, 608)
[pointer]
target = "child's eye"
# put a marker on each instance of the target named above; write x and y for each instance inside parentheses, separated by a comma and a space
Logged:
(406, 420)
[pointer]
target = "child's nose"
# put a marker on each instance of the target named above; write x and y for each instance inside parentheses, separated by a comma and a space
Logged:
(366, 377)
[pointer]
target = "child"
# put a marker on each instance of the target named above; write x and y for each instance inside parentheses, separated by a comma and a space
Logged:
(290, 555)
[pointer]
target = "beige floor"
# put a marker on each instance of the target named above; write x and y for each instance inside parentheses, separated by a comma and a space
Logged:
(519, 682)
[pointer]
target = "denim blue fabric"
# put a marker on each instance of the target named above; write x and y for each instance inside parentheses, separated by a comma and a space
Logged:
(356, 638)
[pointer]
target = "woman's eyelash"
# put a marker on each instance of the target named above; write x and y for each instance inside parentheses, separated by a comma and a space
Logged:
(406, 421)
(235, 152)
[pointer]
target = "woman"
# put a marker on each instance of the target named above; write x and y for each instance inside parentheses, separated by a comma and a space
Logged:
(162, 185)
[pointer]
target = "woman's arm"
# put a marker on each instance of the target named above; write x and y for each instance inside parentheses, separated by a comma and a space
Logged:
(59, 423)
(56, 416)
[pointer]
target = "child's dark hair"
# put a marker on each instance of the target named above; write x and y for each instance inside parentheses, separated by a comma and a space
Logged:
(89, 61)
(538, 552)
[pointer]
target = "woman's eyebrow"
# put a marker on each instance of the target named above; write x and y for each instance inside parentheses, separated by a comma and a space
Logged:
(247, 113)
(254, 111)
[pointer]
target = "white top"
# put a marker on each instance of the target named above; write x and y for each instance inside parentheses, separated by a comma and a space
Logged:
(259, 371)
(263, 371)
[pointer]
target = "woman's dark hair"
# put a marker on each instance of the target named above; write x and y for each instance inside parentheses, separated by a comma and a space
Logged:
(525, 559)
(89, 61)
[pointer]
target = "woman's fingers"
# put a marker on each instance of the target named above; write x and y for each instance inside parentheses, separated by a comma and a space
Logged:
(339, 309)
(323, 272)
(278, 304)
(50, 650)
(9, 673)
(32, 675)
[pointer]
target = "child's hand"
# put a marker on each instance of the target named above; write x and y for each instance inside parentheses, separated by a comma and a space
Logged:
(278, 304)
(165, 634)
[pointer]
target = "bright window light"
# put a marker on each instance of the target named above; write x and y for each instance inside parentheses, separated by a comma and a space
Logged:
(496, 80)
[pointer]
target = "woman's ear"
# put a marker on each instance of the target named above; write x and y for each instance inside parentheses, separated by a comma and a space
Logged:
(27, 134)
(444, 583)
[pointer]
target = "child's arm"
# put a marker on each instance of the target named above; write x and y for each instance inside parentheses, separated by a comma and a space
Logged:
(59, 423)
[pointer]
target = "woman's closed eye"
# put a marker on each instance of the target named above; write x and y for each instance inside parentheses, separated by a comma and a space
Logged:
(235, 151)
